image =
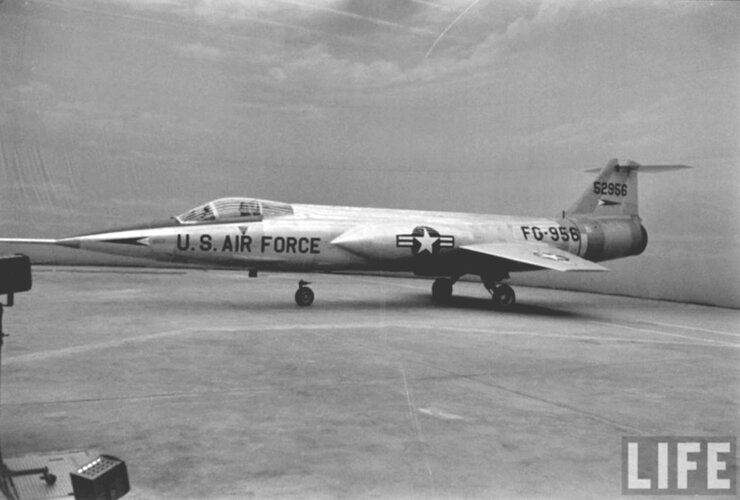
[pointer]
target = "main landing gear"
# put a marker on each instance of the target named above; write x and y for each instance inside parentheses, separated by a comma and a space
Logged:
(502, 294)
(304, 296)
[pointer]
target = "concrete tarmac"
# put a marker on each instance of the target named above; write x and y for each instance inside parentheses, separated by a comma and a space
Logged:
(215, 385)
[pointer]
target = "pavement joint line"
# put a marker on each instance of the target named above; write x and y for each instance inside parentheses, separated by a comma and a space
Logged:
(686, 327)
(700, 342)
(456, 377)
(573, 409)
(414, 417)
(126, 271)
(247, 391)
(476, 377)
(667, 334)
(570, 408)
(142, 397)
(45, 355)
(569, 369)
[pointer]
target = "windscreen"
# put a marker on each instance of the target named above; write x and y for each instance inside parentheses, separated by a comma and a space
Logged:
(234, 209)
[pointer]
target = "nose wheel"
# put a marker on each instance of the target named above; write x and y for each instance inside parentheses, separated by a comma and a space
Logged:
(304, 295)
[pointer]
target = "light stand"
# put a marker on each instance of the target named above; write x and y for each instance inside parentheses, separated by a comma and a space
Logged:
(15, 276)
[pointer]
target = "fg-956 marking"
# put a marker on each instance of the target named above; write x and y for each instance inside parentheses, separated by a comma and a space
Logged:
(553, 233)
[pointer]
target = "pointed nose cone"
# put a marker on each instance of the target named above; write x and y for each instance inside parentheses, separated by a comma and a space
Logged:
(138, 241)
(131, 241)
(69, 242)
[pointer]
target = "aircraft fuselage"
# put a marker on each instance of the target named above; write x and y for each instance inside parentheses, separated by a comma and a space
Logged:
(318, 237)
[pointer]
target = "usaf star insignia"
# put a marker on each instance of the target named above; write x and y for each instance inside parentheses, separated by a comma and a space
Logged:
(424, 240)
(552, 256)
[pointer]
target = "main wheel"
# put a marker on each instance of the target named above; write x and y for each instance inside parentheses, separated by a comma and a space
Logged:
(304, 296)
(503, 296)
(442, 289)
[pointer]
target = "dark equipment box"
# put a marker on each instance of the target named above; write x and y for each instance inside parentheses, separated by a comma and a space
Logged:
(15, 274)
(105, 478)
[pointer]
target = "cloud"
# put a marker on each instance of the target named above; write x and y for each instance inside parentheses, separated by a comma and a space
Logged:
(297, 111)
(32, 93)
(306, 42)
(201, 51)
(466, 58)
(316, 67)
(217, 11)
(630, 129)
(307, 48)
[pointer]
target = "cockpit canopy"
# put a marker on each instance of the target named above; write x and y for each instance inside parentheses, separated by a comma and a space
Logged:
(225, 209)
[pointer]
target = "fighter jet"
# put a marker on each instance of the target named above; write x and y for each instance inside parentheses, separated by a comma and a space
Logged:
(262, 235)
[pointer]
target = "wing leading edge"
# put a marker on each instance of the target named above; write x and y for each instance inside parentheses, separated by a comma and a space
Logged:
(543, 256)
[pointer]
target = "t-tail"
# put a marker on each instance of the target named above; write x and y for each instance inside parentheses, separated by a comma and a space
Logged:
(607, 213)
(614, 191)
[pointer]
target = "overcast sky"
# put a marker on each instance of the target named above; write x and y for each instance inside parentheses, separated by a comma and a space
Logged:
(117, 111)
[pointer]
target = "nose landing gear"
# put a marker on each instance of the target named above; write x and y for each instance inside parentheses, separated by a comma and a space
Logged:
(304, 295)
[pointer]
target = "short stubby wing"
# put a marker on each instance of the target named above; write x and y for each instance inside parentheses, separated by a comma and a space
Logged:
(538, 255)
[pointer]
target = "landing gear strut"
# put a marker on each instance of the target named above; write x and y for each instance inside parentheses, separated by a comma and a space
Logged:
(442, 289)
(502, 294)
(304, 295)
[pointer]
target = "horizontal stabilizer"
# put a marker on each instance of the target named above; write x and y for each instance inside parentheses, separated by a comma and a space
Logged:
(645, 169)
(539, 255)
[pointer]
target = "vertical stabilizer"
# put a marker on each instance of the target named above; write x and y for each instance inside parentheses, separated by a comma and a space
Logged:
(614, 191)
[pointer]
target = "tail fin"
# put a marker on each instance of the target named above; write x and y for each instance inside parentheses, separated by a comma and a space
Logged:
(614, 191)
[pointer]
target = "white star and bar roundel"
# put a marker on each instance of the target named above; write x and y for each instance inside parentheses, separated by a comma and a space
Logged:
(552, 256)
(424, 240)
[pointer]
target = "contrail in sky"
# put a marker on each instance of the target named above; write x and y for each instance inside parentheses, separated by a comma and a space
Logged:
(427, 3)
(444, 32)
(369, 19)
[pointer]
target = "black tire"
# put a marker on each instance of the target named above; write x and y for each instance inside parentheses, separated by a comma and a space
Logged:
(504, 296)
(442, 289)
(304, 296)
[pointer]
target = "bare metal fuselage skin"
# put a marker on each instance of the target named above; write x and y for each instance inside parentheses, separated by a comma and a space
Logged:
(264, 235)
(325, 238)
